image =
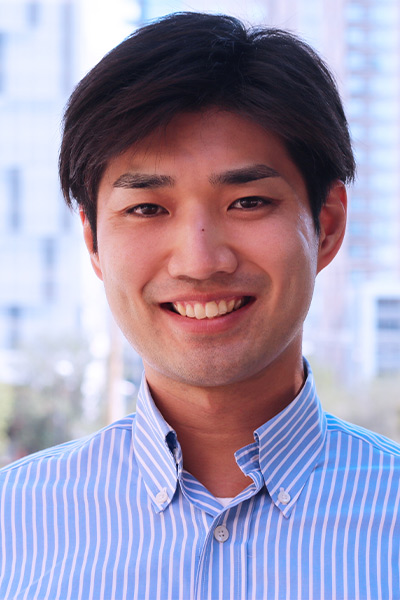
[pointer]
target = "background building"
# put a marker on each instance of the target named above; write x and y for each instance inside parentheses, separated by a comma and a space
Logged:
(47, 287)
(372, 62)
(360, 40)
(40, 291)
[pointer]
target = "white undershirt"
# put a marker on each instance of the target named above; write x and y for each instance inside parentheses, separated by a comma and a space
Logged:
(224, 501)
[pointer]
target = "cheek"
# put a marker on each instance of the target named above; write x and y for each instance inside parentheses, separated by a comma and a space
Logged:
(281, 249)
(125, 261)
(302, 270)
(289, 257)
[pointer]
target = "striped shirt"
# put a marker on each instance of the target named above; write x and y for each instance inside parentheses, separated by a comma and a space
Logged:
(115, 515)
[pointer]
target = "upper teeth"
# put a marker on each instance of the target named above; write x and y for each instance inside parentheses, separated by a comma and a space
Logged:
(208, 310)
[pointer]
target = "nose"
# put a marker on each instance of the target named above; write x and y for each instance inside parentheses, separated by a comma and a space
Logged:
(201, 250)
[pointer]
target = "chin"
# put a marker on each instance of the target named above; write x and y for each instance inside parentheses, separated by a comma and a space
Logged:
(211, 373)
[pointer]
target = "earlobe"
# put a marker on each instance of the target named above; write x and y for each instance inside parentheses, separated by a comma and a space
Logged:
(332, 224)
(88, 237)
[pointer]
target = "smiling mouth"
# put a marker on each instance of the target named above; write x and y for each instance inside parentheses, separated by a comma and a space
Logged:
(208, 310)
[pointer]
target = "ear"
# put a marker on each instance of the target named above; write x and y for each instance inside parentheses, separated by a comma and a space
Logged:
(88, 237)
(332, 224)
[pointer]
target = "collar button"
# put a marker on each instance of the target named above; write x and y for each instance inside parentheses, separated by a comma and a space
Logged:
(283, 497)
(162, 496)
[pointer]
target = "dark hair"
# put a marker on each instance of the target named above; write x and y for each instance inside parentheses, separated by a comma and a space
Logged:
(193, 61)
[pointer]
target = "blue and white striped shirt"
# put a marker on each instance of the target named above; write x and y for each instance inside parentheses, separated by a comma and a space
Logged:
(115, 515)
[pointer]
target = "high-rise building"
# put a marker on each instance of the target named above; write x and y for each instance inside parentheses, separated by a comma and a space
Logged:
(363, 47)
(360, 40)
(39, 242)
(373, 89)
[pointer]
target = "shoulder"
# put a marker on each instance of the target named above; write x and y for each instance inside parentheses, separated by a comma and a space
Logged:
(70, 452)
(373, 445)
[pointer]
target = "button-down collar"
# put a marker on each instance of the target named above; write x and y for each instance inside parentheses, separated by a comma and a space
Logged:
(155, 448)
(287, 448)
(285, 452)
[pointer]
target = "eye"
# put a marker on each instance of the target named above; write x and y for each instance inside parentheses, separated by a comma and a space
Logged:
(250, 203)
(147, 210)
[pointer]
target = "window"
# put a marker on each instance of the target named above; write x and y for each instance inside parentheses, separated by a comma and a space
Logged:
(66, 217)
(49, 289)
(355, 12)
(357, 251)
(384, 13)
(358, 228)
(66, 46)
(356, 108)
(389, 304)
(14, 319)
(49, 260)
(2, 62)
(13, 183)
(356, 35)
(33, 13)
(357, 204)
(388, 313)
(388, 358)
(387, 323)
(49, 252)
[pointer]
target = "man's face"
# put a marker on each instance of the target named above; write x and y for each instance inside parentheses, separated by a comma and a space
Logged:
(207, 249)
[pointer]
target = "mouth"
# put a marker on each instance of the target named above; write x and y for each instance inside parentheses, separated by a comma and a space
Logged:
(208, 310)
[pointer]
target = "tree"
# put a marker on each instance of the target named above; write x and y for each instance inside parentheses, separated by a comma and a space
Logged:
(47, 407)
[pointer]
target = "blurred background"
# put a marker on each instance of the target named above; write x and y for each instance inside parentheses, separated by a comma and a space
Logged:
(64, 368)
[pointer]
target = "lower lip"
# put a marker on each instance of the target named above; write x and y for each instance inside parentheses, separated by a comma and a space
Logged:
(209, 326)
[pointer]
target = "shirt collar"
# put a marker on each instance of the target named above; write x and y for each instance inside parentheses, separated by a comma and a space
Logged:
(286, 448)
(154, 443)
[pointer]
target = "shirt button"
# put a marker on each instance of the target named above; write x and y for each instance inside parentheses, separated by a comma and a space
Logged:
(283, 497)
(221, 533)
(162, 496)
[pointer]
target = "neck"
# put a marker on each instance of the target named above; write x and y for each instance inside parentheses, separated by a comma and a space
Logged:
(213, 422)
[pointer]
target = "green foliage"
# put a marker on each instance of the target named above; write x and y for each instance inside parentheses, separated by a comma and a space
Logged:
(46, 408)
(372, 404)
(6, 407)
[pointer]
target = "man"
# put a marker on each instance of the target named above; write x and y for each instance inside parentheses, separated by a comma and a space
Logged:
(209, 164)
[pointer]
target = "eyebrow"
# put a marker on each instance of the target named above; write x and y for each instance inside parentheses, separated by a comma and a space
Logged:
(244, 175)
(142, 180)
(230, 177)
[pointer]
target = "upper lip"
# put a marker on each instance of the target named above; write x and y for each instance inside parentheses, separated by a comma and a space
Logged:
(204, 298)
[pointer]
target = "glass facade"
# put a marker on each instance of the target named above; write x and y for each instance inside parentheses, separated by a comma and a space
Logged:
(39, 295)
(372, 71)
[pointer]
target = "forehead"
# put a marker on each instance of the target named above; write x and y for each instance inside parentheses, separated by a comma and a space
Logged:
(206, 144)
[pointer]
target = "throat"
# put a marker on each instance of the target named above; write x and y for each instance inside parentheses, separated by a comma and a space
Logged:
(211, 460)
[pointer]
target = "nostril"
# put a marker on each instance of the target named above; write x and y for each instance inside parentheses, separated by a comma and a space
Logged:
(201, 256)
